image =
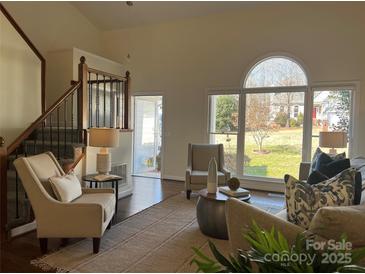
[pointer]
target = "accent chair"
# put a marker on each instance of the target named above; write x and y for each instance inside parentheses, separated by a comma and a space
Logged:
(86, 216)
(198, 161)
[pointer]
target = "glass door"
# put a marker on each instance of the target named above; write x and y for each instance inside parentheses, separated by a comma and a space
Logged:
(147, 136)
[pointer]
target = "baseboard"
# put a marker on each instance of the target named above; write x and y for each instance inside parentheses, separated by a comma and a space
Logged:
(173, 178)
(125, 192)
(23, 229)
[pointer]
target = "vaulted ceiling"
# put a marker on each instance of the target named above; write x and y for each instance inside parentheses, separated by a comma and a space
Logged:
(108, 15)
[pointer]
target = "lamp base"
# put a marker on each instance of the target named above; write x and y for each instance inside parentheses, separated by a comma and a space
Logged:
(103, 163)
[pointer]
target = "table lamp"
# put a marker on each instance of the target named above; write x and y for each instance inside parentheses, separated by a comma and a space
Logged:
(333, 140)
(103, 138)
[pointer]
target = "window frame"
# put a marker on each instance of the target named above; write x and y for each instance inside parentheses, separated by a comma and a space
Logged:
(309, 89)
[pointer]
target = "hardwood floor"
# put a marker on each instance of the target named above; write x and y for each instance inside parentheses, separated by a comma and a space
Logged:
(18, 252)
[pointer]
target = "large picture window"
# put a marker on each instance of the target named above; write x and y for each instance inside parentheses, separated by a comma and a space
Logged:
(267, 126)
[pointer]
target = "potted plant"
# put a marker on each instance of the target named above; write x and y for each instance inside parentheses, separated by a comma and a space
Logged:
(270, 252)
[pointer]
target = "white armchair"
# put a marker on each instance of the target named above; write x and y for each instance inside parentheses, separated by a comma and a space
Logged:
(198, 162)
(87, 216)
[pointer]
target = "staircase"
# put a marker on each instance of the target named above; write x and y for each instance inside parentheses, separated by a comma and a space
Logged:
(96, 99)
(62, 142)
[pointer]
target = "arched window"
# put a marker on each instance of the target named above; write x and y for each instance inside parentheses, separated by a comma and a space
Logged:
(276, 72)
(272, 123)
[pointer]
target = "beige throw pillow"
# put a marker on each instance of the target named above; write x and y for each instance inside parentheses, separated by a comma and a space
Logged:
(66, 188)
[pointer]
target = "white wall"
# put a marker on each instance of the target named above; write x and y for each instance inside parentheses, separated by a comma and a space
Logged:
(184, 58)
(20, 83)
(54, 25)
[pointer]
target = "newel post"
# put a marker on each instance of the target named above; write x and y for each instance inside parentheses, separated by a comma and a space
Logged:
(127, 101)
(3, 190)
(82, 100)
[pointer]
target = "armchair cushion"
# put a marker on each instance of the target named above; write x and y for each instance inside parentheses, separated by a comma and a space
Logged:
(106, 200)
(66, 188)
(44, 167)
(201, 155)
(201, 177)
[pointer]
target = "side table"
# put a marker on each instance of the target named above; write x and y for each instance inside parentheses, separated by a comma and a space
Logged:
(210, 213)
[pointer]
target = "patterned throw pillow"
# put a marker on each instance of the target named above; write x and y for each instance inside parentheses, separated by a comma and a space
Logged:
(303, 200)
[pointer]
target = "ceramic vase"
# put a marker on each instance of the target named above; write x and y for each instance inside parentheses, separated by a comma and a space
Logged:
(212, 182)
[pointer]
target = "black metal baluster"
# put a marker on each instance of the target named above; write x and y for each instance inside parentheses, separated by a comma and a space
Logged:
(35, 133)
(97, 101)
(58, 133)
(90, 102)
(104, 125)
(123, 102)
(72, 117)
(43, 135)
(50, 133)
(118, 105)
(111, 103)
(16, 188)
(64, 121)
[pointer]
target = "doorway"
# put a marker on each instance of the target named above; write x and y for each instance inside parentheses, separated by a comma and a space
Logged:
(147, 143)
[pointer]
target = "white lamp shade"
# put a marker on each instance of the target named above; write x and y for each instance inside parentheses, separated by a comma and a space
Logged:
(333, 139)
(104, 137)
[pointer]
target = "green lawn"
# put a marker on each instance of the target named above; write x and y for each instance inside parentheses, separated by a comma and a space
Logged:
(284, 155)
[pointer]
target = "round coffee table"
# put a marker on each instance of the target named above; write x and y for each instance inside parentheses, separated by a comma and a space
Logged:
(210, 213)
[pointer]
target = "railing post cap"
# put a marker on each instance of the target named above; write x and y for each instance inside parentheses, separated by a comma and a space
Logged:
(82, 59)
(127, 73)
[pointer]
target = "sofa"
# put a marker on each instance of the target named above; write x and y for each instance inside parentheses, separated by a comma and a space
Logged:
(197, 169)
(328, 223)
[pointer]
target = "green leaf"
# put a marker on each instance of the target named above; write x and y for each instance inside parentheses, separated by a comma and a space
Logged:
(358, 254)
(201, 255)
(220, 258)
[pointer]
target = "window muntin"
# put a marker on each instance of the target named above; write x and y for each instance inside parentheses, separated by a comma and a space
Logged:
(276, 72)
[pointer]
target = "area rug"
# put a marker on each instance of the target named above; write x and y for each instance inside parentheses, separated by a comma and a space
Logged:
(158, 239)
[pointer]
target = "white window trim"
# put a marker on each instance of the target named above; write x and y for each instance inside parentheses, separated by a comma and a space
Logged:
(274, 184)
(354, 86)
(163, 149)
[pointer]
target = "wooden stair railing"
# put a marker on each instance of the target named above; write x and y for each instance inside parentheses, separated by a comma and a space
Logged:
(97, 99)
(108, 98)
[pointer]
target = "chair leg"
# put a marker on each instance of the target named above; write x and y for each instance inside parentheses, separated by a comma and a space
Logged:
(43, 242)
(96, 245)
(188, 192)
